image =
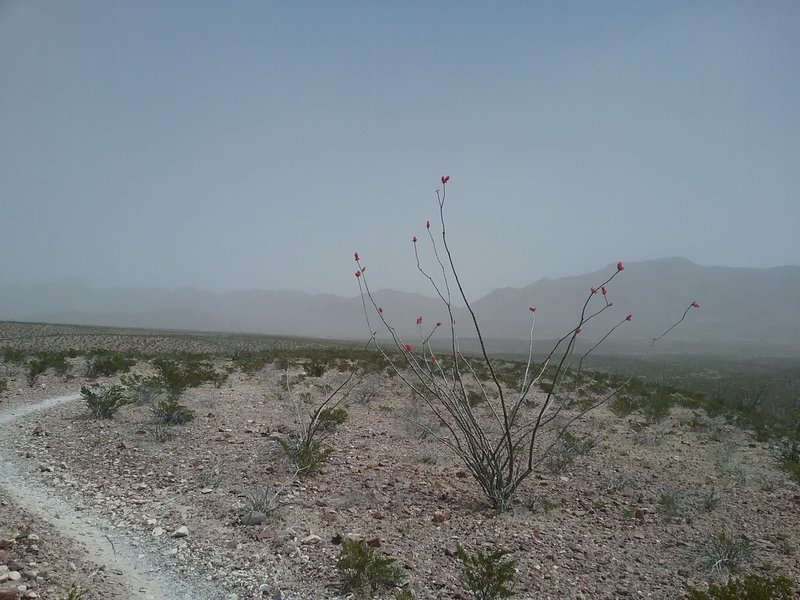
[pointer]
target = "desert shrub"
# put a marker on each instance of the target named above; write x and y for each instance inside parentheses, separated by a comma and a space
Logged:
(315, 368)
(364, 570)
(307, 449)
(710, 499)
(488, 576)
(750, 587)
(725, 553)
(106, 364)
(656, 407)
(103, 403)
(366, 392)
(170, 411)
(269, 499)
(331, 418)
(669, 507)
(76, 593)
(13, 355)
(251, 363)
(787, 449)
(623, 404)
(306, 455)
(178, 376)
(44, 361)
(142, 390)
(564, 452)
(539, 503)
(3, 385)
(503, 444)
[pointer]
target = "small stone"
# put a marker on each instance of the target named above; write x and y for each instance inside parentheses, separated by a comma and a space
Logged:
(158, 531)
(181, 532)
(206, 490)
(254, 517)
(330, 515)
(311, 539)
(14, 576)
(440, 516)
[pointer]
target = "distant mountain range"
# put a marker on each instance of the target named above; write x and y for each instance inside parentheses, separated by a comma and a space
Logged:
(743, 310)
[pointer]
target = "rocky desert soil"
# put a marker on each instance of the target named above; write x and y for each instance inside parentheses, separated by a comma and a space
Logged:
(125, 508)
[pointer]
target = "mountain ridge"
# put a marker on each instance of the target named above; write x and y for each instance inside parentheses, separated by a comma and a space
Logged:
(743, 308)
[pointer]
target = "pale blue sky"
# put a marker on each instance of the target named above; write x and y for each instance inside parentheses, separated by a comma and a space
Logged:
(233, 145)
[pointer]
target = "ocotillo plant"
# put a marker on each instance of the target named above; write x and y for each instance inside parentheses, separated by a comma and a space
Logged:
(504, 437)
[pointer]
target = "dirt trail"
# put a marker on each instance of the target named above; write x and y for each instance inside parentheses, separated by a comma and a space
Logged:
(143, 573)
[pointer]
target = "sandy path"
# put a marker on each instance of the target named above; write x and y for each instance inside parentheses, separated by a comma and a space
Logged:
(143, 573)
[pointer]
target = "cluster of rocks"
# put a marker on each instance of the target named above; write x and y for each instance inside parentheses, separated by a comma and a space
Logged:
(20, 574)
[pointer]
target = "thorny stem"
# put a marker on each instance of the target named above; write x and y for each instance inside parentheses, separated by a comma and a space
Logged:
(494, 465)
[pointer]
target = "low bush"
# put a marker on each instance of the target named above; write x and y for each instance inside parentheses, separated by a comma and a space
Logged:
(178, 376)
(106, 364)
(142, 390)
(47, 360)
(566, 450)
(363, 570)
(170, 411)
(488, 576)
(3, 385)
(750, 587)
(315, 368)
(103, 403)
(726, 553)
(13, 355)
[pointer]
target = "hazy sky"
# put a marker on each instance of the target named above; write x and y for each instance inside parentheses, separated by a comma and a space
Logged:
(233, 145)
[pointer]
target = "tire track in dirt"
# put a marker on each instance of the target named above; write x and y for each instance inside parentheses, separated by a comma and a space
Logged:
(144, 575)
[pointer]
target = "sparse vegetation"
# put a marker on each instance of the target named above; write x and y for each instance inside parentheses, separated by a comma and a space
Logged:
(106, 364)
(417, 491)
(488, 576)
(749, 587)
(725, 553)
(170, 411)
(503, 438)
(364, 570)
(57, 361)
(104, 402)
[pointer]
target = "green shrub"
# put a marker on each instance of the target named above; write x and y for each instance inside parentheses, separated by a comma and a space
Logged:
(106, 364)
(566, 450)
(178, 376)
(315, 368)
(363, 570)
(330, 418)
(142, 390)
(103, 403)
(725, 553)
(750, 587)
(13, 355)
(170, 411)
(47, 360)
(623, 405)
(3, 385)
(487, 576)
(307, 455)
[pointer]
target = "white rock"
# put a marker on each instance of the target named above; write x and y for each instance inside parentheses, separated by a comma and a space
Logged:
(182, 531)
(158, 531)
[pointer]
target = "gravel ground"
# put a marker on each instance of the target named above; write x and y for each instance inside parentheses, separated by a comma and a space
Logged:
(635, 517)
